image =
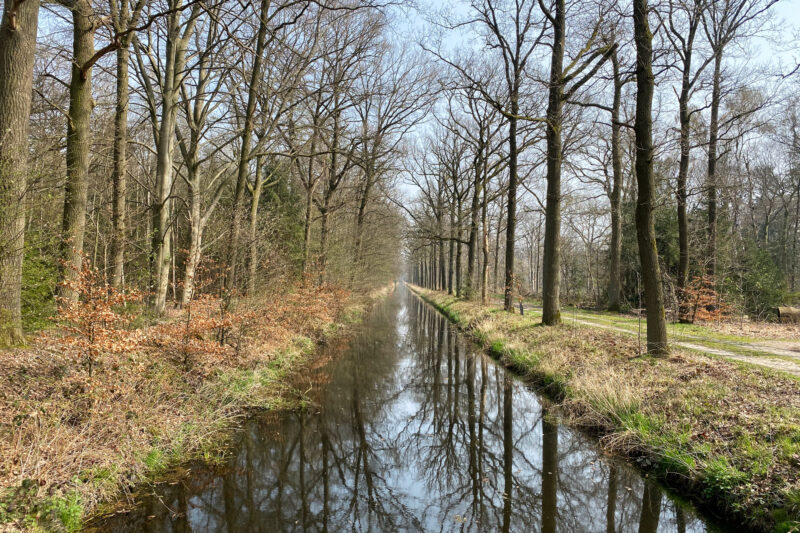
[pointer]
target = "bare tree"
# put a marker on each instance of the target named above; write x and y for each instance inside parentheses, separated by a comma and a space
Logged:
(167, 68)
(723, 22)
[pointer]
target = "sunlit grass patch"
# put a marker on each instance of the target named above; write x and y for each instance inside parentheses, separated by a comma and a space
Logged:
(727, 431)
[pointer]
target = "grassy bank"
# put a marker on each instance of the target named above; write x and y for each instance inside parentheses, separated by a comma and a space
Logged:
(725, 434)
(71, 439)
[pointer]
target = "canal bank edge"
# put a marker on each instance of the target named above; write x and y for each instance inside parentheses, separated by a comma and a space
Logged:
(214, 413)
(690, 421)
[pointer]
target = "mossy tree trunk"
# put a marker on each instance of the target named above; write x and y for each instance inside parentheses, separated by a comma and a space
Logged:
(17, 51)
(73, 227)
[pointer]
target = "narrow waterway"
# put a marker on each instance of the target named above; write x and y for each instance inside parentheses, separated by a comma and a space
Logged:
(413, 428)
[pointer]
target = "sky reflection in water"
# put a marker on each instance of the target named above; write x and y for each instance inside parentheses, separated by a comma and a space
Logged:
(415, 430)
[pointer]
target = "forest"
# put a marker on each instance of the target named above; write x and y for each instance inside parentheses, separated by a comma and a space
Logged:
(198, 196)
(525, 194)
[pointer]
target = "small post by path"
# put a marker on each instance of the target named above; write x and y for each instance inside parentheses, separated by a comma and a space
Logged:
(521, 309)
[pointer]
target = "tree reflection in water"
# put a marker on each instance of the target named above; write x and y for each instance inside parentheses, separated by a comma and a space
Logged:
(415, 430)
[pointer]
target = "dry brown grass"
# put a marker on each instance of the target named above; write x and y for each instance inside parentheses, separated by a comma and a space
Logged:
(726, 433)
(69, 440)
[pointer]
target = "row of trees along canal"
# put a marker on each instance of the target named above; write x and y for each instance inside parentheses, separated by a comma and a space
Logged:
(152, 138)
(665, 127)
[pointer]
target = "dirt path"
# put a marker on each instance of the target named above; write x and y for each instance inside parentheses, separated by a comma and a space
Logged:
(783, 365)
(777, 355)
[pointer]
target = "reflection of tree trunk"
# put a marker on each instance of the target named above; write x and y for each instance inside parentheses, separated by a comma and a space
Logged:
(680, 519)
(325, 482)
(180, 523)
(302, 471)
(611, 503)
(651, 509)
(250, 473)
(507, 452)
(473, 463)
(549, 473)
(286, 461)
(449, 398)
(456, 383)
(363, 445)
(481, 416)
(229, 499)
(437, 369)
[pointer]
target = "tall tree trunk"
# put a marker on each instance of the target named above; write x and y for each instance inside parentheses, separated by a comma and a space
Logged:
(645, 180)
(511, 224)
(78, 142)
(452, 252)
(615, 251)
(442, 279)
(711, 184)
(485, 262)
(195, 239)
(474, 221)
(252, 263)
(497, 250)
(323, 240)
(165, 151)
(307, 227)
(244, 155)
(683, 167)
(17, 52)
(551, 309)
(361, 217)
(119, 172)
(459, 238)
(442, 282)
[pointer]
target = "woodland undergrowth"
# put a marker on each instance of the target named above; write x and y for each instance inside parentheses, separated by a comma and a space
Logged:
(101, 404)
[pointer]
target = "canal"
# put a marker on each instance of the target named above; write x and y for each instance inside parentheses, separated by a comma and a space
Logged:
(411, 428)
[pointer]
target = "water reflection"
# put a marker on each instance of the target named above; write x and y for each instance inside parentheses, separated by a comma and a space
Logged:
(416, 430)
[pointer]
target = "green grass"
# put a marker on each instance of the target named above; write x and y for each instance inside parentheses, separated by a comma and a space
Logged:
(725, 433)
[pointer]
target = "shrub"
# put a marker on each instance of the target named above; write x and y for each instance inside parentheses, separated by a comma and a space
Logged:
(96, 323)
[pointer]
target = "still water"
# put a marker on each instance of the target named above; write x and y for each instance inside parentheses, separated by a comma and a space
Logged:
(413, 428)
